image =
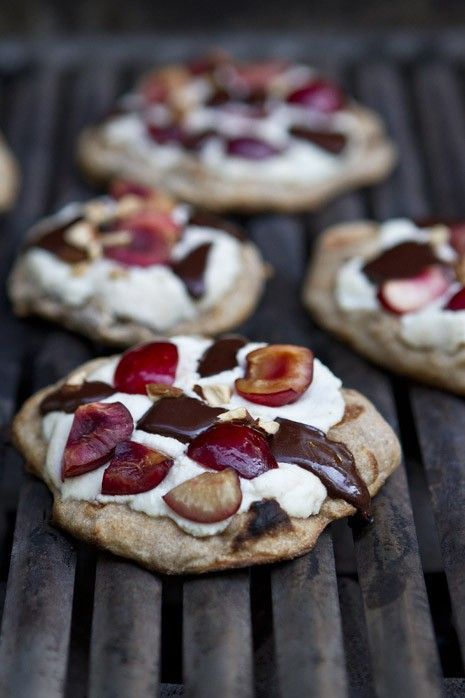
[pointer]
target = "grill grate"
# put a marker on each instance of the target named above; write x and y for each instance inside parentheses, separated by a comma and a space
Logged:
(77, 622)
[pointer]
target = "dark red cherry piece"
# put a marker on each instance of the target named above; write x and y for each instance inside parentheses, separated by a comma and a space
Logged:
(319, 95)
(457, 302)
(155, 362)
(96, 429)
(251, 148)
(151, 238)
(134, 468)
(234, 446)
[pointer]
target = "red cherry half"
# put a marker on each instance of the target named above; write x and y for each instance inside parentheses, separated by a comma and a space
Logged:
(152, 235)
(155, 362)
(251, 148)
(234, 446)
(320, 95)
(164, 135)
(402, 296)
(96, 429)
(134, 468)
(276, 375)
(207, 498)
(457, 302)
(122, 187)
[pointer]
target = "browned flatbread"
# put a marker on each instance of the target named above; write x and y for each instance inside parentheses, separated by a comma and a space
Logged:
(373, 333)
(370, 161)
(9, 177)
(97, 323)
(158, 544)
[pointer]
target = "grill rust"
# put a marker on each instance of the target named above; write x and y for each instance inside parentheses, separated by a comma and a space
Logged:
(351, 618)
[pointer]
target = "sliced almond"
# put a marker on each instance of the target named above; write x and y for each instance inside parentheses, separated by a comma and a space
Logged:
(232, 415)
(82, 236)
(216, 394)
(98, 211)
(127, 205)
(439, 235)
(118, 273)
(155, 391)
(270, 427)
(117, 239)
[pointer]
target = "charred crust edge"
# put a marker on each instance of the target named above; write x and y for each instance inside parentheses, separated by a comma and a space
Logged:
(265, 517)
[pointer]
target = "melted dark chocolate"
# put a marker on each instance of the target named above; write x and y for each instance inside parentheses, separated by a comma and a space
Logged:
(205, 219)
(400, 262)
(266, 516)
(54, 241)
(182, 418)
(221, 355)
(330, 461)
(191, 270)
(327, 140)
(69, 397)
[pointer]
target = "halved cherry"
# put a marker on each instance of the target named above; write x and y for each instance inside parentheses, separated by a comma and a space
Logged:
(155, 362)
(319, 95)
(251, 148)
(122, 187)
(402, 296)
(276, 375)
(457, 236)
(134, 468)
(164, 135)
(96, 429)
(152, 235)
(457, 302)
(207, 498)
(154, 89)
(235, 446)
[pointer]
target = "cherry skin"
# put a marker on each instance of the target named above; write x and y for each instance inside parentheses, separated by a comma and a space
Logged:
(151, 238)
(235, 446)
(155, 362)
(319, 95)
(457, 302)
(134, 468)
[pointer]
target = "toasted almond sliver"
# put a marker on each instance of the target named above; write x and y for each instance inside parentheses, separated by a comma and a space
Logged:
(215, 394)
(439, 235)
(270, 427)
(127, 205)
(231, 415)
(155, 391)
(98, 211)
(118, 273)
(80, 235)
(116, 239)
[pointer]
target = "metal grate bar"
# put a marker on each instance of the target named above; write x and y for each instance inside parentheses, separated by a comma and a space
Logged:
(217, 642)
(125, 644)
(307, 625)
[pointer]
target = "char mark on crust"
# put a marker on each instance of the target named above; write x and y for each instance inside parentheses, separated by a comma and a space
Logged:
(352, 412)
(266, 516)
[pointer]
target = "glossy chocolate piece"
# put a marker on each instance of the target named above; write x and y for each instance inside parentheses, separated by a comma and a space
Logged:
(221, 355)
(69, 397)
(191, 270)
(330, 461)
(204, 219)
(54, 241)
(181, 418)
(326, 140)
(401, 262)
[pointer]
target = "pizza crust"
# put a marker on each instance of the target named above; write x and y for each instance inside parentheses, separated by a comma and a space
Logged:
(9, 177)
(373, 333)
(158, 544)
(97, 323)
(369, 162)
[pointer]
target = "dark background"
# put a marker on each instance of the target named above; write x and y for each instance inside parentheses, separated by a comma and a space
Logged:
(38, 18)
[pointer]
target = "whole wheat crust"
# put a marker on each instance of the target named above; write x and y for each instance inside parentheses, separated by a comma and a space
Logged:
(158, 544)
(96, 322)
(369, 161)
(373, 333)
(9, 177)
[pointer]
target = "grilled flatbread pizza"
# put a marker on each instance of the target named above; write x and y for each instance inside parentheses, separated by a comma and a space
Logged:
(9, 176)
(191, 455)
(231, 135)
(123, 268)
(395, 292)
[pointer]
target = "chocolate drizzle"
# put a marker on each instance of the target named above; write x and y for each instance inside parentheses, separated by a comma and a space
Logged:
(182, 418)
(330, 461)
(54, 241)
(69, 397)
(401, 262)
(221, 356)
(204, 219)
(330, 141)
(191, 270)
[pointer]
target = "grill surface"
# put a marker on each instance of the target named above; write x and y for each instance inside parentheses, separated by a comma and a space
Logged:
(373, 612)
